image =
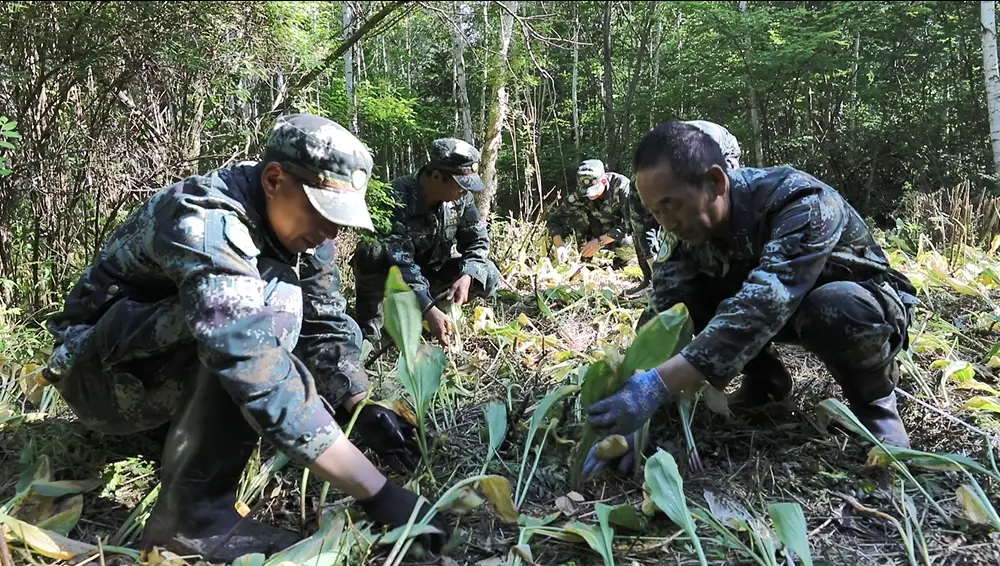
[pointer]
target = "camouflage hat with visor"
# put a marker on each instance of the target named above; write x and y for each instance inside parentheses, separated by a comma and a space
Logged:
(460, 159)
(332, 163)
(589, 175)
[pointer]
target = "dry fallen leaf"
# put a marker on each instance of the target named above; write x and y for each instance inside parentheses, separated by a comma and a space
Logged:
(575, 497)
(565, 506)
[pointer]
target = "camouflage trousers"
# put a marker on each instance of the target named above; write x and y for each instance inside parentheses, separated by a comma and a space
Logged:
(130, 371)
(855, 328)
(371, 269)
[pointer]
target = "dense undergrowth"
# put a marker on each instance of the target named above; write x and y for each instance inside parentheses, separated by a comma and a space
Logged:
(501, 423)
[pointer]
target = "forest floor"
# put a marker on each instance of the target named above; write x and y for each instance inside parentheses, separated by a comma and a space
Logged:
(547, 323)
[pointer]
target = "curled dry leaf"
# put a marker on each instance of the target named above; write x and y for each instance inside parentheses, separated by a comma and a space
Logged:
(566, 506)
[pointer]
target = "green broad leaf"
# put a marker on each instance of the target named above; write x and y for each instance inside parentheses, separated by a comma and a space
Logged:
(429, 364)
(7, 145)
(980, 403)
(577, 532)
(880, 456)
(976, 505)
(659, 340)
(403, 320)
(328, 546)
(627, 516)
(41, 472)
(666, 490)
(256, 559)
(12, 135)
(959, 372)
(67, 487)
(7, 126)
(529, 521)
(839, 412)
(496, 423)
(728, 511)
(64, 516)
(536, 421)
(607, 531)
(790, 526)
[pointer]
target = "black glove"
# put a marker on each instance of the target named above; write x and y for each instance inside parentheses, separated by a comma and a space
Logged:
(392, 506)
(391, 437)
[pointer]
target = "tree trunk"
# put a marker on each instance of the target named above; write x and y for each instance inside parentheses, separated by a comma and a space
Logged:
(481, 131)
(497, 114)
(758, 144)
(991, 75)
(657, 41)
(349, 67)
(611, 143)
(854, 80)
(576, 72)
(465, 113)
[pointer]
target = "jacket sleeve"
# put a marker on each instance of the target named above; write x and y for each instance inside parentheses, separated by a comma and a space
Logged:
(330, 341)
(643, 225)
(208, 253)
(802, 237)
(473, 241)
(401, 253)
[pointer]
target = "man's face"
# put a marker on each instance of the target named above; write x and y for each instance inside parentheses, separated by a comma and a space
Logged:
(599, 185)
(446, 187)
(693, 213)
(296, 223)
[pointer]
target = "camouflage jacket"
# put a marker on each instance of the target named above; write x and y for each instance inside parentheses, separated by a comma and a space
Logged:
(790, 233)
(425, 238)
(587, 219)
(200, 239)
(645, 228)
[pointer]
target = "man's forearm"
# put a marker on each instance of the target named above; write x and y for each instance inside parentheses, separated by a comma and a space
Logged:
(348, 470)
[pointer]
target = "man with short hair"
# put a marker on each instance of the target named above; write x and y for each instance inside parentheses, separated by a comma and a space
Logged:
(210, 310)
(596, 213)
(437, 239)
(646, 232)
(763, 256)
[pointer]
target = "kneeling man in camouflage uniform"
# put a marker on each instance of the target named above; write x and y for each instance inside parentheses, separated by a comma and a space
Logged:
(210, 310)
(437, 240)
(763, 256)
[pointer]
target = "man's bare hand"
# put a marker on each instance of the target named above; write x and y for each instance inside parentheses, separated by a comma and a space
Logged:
(439, 323)
(460, 290)
(590, 248)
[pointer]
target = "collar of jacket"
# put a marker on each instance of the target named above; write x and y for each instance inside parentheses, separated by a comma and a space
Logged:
(244, 179)
(742, 216)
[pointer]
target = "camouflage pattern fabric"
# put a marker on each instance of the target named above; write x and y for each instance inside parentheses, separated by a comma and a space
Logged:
(802, 267)
(588, 219)
(432, 246)
(195, 281)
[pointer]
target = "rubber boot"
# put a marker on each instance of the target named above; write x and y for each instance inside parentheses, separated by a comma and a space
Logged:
(206, 451)
(876, 409)
(765, 379)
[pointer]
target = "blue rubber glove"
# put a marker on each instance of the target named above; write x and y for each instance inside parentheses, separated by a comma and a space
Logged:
(594, 465)
(632, 405)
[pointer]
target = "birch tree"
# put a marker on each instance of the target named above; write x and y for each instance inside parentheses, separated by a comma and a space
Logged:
(758, 144)
(497, 112)
(459, 31)
(991, 75)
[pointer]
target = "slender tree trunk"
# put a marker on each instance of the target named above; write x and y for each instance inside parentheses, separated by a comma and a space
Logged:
(611, 142)
(465, 113)
(481, 131)
(576, 72)
(991, 75)
(657, 41)
(348, 14)
(497, 114)
(758, 143)
(854, 80)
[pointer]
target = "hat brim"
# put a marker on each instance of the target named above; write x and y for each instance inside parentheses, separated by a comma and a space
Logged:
(470, 182)
(343, 207)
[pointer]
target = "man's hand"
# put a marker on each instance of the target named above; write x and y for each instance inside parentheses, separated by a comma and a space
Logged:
(590, 248)
(460, 290)
(439, 323)
(392, 507)
(391, 437)
(633, 404)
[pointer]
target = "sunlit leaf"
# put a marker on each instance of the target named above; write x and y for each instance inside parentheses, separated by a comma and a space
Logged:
(790, 526)
(611, 447)
(497, 491)
(626, 516)
(728, 511)
(666, 490)
(980, 403)
(403, 320)
(46, 543)
(927, 460)
(959, 372)
(658, 340)
(576, 532)
(322, 548)
(250, 560)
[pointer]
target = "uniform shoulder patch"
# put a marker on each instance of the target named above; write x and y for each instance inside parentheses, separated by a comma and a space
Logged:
(239, 236)
(667, 243)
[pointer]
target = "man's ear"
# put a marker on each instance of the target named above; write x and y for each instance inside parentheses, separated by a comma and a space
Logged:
(270, 179)
(718, 181)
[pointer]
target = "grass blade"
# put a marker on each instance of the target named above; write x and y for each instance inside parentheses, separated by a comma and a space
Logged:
(496, 424)
(790, 526)
(536, 420)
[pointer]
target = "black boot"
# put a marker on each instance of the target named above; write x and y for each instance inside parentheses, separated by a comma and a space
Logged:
(873, 401)
(206, 451)
(881, 417)
(646, 277)
(765, 379)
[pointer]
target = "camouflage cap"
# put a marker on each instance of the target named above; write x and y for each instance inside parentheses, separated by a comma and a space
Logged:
(589, 175)
(459, 158)
(333, 164)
